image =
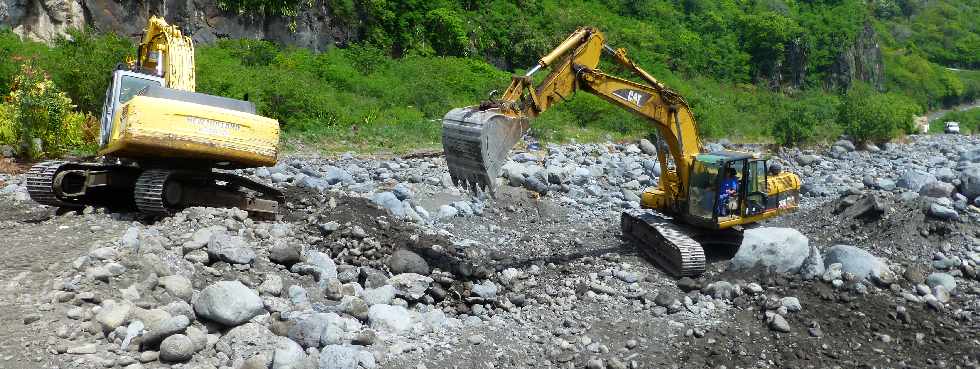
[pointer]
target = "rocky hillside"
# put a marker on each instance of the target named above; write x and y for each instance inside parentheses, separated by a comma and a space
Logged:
(311, 28)
(383, 263)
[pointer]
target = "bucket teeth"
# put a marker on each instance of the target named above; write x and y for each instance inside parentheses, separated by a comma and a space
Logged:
(476, 144)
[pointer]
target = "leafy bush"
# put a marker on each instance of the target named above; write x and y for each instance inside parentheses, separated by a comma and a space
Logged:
(42, 115)
(812, 118)
(82, 65)
(867, 115)
(8, 124)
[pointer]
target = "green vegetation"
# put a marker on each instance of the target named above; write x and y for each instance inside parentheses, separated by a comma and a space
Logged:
(736, 62)
(867, 115)
(39, 121)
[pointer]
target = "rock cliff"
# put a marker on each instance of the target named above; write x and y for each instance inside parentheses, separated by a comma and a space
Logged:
(46, 19)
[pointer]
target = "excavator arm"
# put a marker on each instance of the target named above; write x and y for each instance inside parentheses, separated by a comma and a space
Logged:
(476, 139)
(165, 52)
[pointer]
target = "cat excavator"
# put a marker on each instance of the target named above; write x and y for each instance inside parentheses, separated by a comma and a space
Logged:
(700, 196)
(164, 147)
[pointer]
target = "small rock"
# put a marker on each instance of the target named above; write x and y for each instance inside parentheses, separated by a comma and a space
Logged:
(779, 324)
(405, 261)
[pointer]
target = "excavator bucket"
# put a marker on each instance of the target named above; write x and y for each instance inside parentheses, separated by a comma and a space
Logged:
(476, 143)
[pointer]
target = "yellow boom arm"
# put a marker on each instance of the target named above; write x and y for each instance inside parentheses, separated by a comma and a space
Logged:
(574, 64)
(165, 52)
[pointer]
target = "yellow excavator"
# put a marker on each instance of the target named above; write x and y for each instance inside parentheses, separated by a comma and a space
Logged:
(700, 195)
(160, 142)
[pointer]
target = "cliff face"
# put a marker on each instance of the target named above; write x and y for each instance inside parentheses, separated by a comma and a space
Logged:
(202, 19)
(862, 61)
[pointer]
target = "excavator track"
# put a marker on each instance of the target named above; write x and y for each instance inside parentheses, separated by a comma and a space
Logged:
(40, 184)
(162, 192)
(476, 143)
(149, 192)
(660, 239)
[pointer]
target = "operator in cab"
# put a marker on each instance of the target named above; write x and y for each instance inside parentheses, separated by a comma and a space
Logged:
(729, 189)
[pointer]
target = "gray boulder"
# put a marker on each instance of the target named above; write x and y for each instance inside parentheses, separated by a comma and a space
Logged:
(288, 355)
(231, 249)
(405, 261)
(249, 342)
(410, 286)
(941, 279)
(447, 212)
(345, 357)
(176, 348)
(860, 263)
(943, 212)
(389, 318)
(166, 329)
(336, 175)
(388, 201)
(381, 295)
(285, 253)
(937, 189)
(323, 265)
(913, 179)
(782, 250)
(402, 192)
(308, 330)
(229, 303)
(970, 181)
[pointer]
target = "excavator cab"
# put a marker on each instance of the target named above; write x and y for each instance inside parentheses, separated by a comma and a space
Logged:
(124, 85)
(727, 189)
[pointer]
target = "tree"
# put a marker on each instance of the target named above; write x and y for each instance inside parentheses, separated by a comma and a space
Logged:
(867, 115)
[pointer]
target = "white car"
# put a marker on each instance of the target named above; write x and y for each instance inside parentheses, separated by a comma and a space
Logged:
(952, 127)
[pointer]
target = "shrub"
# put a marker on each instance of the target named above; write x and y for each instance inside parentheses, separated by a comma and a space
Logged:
(867, 115)
(811, 118)
(44, 123)
(8, 125)
(82, 64)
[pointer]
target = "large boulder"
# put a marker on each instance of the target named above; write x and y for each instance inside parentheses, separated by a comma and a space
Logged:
(782, 250)
(970, 182)
(860, 263)
(913, 179)
(229, 303)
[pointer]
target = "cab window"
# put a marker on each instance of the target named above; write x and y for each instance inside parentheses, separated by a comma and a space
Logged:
(129, 86)
(703, 190)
